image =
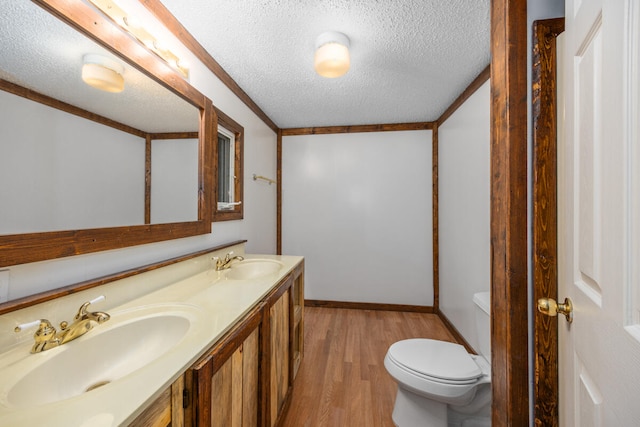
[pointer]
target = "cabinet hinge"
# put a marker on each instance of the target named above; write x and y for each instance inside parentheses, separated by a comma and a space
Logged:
(185, 398)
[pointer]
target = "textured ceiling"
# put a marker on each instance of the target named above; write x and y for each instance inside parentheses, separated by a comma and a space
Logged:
(40, 52)
(410, 59)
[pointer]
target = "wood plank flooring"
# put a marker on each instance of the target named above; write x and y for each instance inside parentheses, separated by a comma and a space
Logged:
(342, 380)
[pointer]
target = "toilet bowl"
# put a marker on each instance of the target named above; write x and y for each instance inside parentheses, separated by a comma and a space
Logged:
(439, 383)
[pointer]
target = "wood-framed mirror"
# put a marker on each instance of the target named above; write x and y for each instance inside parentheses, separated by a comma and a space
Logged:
(23, 244)
(229, 160)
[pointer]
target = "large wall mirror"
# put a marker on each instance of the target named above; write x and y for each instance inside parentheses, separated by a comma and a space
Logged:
(84, 170)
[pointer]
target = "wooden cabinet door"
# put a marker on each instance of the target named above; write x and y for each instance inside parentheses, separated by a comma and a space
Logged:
(225, 382)
(280, 354)
(244, 380)
(166, 410)
(234, 387)
(297, 320)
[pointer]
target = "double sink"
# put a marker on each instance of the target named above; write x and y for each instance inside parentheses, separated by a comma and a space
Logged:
(134, 339)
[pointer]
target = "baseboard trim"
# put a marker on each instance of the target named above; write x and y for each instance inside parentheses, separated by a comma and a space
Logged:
(457, 335)
(368, 306)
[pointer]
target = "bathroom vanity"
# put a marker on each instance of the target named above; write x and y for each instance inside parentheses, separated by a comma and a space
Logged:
(185, 345)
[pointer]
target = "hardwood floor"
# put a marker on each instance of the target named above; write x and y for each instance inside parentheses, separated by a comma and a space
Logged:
(342, 380)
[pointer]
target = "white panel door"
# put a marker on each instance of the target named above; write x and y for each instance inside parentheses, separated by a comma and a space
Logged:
(599, 353)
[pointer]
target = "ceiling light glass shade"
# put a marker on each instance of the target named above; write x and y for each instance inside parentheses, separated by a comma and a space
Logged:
(103, 73)
(332, 54)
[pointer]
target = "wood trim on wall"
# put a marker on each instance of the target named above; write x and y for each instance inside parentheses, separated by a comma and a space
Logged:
(368, 306)
(509, 263)
(41, 297)
(40, 98)
(466, 94)
(147, 179)
(389, 127)
(279, 194)
(181, 33)
(435, 220)
(545, 224)
(174, 135)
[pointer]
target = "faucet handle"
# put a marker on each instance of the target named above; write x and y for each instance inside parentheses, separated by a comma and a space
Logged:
(82, 311)
(44, 332)
(27, 325)
(97, 299)
(219, 262)
(44, 338)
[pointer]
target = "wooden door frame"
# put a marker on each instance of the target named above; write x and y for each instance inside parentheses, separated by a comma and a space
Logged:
(509, 263)
(545, 223)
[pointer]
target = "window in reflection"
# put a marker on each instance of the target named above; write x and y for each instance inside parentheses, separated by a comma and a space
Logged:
(226, 169)
(229, 159)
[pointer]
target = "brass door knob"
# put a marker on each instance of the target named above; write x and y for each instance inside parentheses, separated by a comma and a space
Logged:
(550, 307)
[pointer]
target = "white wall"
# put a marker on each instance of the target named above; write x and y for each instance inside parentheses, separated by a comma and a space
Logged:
(464, 211)
(258, 226)
(45, 150)
(358, 207)
(174, 190)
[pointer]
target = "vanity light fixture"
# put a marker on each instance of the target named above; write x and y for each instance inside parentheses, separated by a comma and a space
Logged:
(133, 26)
(103, 73)
(332, 54)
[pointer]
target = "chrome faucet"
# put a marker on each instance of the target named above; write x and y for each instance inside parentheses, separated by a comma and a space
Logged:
(223, 264)
(46, 337)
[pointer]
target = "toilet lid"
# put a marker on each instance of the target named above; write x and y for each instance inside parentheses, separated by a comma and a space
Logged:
(441, 360)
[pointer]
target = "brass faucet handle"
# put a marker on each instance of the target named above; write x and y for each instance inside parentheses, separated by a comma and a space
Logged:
(220, 262)
(45, 332)
(46, 336)
(223, 264)
(44, 324)
(82, 311)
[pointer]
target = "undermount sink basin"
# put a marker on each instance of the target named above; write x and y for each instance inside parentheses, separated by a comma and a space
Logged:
(110, 351)
(253, 269)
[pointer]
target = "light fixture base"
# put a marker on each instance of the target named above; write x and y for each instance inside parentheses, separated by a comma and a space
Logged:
(332, 37)
(332, 59)
(103, 73)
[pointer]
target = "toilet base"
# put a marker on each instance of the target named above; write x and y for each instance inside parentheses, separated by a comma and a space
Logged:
(411, 410)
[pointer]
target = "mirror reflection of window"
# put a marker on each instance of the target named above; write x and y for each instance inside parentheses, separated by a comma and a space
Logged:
(229, 161)
(226, 172)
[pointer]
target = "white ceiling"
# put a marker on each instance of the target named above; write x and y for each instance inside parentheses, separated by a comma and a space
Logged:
(41, 53)
(410, 59)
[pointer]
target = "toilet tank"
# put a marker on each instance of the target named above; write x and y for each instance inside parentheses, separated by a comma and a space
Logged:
(482, 301)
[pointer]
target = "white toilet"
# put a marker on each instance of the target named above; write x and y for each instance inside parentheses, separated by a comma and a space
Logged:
(439, 383)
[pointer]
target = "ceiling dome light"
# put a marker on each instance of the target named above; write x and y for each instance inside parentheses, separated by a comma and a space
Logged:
(332, 54)
(103, 73)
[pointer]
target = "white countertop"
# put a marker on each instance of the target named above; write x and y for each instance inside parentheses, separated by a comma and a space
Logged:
(215, 302)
